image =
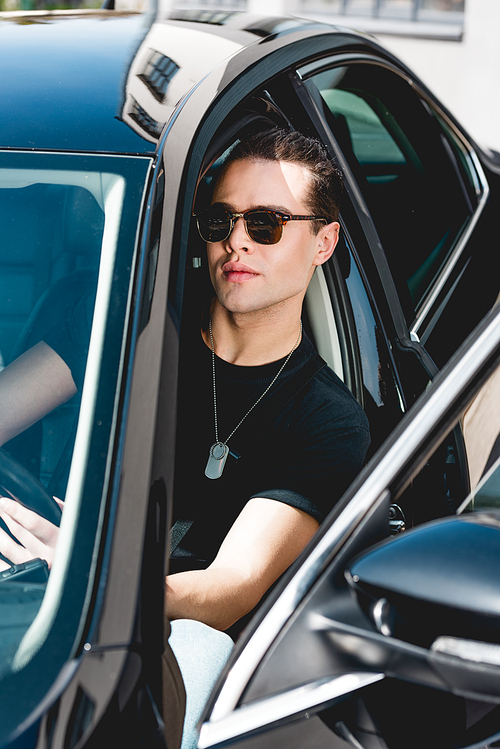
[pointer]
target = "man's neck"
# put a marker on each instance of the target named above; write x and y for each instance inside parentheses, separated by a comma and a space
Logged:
(253, 339)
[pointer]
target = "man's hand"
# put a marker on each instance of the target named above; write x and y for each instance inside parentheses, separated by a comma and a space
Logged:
(37, 536)
(265, 539)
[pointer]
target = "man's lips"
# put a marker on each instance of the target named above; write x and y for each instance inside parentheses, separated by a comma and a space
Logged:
(236, 272)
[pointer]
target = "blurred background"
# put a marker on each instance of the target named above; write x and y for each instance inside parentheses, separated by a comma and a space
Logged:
(452, 45)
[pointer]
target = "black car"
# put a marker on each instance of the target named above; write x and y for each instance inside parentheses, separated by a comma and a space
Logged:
(113, 127)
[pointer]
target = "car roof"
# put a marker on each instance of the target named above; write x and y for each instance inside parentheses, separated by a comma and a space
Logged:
(108, 81)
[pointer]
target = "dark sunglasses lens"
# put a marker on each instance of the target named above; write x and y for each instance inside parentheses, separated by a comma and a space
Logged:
(263, 227)
(213, 225)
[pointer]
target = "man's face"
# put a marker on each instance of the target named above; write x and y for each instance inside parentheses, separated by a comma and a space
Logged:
(248, 276)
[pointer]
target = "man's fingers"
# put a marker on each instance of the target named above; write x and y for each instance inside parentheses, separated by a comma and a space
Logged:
(27, 519)
(10, 549)
(60, 502)
(30, 542)
(36, 534)
(33, 546)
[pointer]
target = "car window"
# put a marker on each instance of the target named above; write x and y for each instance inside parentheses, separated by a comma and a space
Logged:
(69, 228)
(371, 139)
(410, 171)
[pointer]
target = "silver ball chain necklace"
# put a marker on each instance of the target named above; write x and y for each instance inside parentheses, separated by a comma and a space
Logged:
(220, 450)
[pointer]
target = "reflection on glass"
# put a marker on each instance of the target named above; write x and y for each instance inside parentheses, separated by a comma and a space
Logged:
(367, 334)
(487, 493)
(371, 141)
(62, 220)
(402, 10)
(444, 5)
(158, 73)
(481, 428)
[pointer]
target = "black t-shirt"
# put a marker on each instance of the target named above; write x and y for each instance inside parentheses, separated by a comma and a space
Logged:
(304, 454)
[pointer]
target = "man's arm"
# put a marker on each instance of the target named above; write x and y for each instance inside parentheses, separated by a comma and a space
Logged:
(265, 539)
(32, 386)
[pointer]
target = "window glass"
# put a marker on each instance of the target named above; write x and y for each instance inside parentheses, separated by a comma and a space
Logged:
(487, 493)
(381, 389)
(69, 228)
(371, 141)
(411, 179)
(481, 427)
(464, 469)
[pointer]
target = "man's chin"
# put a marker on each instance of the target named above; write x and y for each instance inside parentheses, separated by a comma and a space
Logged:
(249, 306)
(236, 302)
(243, 300)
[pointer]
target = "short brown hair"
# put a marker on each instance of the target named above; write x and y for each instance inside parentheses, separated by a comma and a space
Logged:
(280, 144)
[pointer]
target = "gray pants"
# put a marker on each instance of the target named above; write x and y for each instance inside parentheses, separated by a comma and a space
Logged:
(201, 653)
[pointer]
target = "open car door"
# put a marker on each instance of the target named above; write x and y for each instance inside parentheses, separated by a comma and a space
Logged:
(385, 642)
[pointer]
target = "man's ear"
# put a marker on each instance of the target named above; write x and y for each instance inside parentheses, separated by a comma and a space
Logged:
(327, 239)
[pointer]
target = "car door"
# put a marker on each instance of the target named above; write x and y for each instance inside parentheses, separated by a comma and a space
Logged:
(344, 654)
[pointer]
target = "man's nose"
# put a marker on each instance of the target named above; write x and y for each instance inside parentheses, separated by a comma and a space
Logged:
(239, 239)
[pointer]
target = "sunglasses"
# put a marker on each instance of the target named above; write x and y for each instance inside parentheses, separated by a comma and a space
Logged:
(262, 225)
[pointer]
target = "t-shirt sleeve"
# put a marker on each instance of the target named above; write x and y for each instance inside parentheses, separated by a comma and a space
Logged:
(70, 338)
(321, 449)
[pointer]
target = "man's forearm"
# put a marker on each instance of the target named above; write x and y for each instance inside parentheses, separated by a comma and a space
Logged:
(215, 596)
(30, 387)
(265, 539)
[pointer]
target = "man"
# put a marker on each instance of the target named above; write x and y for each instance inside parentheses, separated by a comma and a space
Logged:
(268, 437)
(267, 441)
(255, 325)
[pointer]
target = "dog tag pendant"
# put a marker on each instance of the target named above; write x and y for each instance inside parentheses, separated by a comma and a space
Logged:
(216, 460)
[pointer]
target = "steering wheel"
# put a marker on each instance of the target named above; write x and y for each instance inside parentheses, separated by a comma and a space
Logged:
(18, 483)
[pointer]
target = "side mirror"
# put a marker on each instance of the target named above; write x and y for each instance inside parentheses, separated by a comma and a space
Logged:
(437, 587)
(440, 579)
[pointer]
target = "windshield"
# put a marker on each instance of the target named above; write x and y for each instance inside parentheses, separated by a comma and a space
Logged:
(68, 240)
